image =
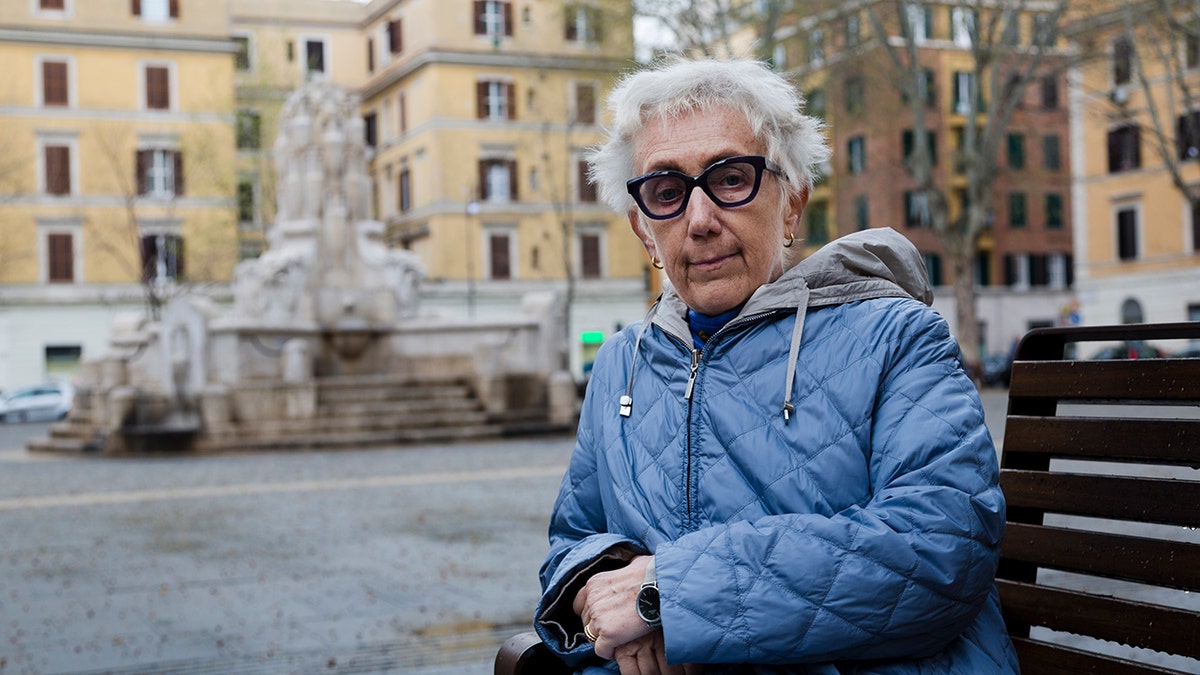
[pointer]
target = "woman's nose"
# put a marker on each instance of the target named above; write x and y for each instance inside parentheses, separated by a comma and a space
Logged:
(701, 214)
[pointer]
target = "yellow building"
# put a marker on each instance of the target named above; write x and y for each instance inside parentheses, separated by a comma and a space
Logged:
(117, 137)
(1137, 236)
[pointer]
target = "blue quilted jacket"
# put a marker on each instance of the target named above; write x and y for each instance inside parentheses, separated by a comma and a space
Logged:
(817, 485)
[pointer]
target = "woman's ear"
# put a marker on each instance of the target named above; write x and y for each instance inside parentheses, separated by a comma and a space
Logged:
(795, 208)
(647, 240)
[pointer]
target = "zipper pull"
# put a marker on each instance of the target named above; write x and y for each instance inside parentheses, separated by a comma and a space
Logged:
(687, 395)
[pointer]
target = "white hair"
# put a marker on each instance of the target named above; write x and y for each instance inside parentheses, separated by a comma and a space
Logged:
(675, 86)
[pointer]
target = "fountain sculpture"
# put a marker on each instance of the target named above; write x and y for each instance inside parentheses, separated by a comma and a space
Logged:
(324, 344)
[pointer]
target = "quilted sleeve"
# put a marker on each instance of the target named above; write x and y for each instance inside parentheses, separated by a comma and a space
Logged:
(899, 575)
(580, 544)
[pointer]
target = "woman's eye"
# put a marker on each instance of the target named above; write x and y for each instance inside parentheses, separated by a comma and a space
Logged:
(667, 194)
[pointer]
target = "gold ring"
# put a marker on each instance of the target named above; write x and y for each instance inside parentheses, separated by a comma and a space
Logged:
(587, 631)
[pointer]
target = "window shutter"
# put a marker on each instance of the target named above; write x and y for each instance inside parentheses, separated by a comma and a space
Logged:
(484, 193)
(137, 7)
(370, 55)
(158, 91)
(510, 95)
(570, 25)
(585, 104)
(62, 258)
(395, 40)
(58, 169)
(480, 14)
(508, 19)
(178, 157)
(178, 258)
(512, 179)
(1010, 270)
(174, 9)
(587, 191)
(589, 253)
(481, 102)
(149, 256)
(142, 160)
(54, 83)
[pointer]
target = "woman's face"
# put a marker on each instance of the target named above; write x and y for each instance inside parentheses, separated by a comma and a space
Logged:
(715, 257)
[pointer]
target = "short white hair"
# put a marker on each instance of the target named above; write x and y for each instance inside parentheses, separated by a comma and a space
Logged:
(675, 86)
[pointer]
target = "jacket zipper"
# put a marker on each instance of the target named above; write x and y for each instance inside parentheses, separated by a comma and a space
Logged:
(687, 394)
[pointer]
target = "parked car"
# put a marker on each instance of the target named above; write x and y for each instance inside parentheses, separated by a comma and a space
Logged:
(38, 403)
(1130, 350)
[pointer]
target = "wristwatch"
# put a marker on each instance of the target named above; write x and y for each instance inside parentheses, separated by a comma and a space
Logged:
(647, 604)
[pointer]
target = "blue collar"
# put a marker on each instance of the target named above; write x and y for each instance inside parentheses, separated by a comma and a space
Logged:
(704, 326)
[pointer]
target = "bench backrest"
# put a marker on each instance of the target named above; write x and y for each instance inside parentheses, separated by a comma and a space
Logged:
(1101, 471)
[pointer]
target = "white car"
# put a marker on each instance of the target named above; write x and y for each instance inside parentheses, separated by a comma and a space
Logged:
(37, 403)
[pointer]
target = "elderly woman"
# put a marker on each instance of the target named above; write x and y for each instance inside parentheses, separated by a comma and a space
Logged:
(783, 468)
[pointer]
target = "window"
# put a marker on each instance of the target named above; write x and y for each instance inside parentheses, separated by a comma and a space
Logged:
(1124, 148)
(162, 257)
(908, 144)
(916, 208)
(1191, 47)
(51, 5)
(857, 154)
(816, 102)
(55, 83)
(498, 180)
(56, 160)
(962, 24)
(395, 37)
(1187, 136)
(1122, 61)
(1054, 211)
(1049, 92)
(816, 47)
(933, 266)
(156, 10)
(370, 129)
(493, 18)
(60, 252)
(585, 103)
(249, 130)
(925, 91)
(1127, 234)
(1043, 30)
(158, 87)
(590, 260)
(402, 112)
(1058, 270)
(853, 30)
(1017, 270)
(920, 22)
(1051, 153)
(241, 54)
(855, 95)
(587, 189)
(500, 255)
(983, 268)
(1196, 228)
(816, 215)
(495, 100)
(314, 57)
(1016, 151)
(247, 204)
(582, 24)
(405, 189)
(1011, 33)
(370, 55)
(159, 173)
(1017, 212)
(862, 212)
(964, 89)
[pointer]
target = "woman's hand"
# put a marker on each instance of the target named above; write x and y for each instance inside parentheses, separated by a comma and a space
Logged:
(647, 656)
(607, 604)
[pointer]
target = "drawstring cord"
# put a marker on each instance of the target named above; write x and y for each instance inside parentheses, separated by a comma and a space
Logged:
(794, 356)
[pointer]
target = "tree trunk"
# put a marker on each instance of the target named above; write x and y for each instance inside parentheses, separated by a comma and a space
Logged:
(962, 264)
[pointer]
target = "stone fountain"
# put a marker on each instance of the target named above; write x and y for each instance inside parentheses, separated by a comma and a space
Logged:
(325, 344)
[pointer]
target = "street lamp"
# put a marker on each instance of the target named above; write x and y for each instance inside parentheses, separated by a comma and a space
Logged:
(472, 211)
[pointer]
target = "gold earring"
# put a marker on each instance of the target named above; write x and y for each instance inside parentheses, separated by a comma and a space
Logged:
(656, 263)
(791, 239)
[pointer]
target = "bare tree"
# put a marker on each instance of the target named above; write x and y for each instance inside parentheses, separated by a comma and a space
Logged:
(1002, 66)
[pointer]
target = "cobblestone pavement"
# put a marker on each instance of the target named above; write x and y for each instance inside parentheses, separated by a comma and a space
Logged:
(398, 560)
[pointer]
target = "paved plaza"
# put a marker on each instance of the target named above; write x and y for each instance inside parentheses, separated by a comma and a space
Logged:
(396, 560)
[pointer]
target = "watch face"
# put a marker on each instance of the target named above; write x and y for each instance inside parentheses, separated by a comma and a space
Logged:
(647, 605)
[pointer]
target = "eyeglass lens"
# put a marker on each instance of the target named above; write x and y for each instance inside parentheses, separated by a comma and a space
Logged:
(728, 184)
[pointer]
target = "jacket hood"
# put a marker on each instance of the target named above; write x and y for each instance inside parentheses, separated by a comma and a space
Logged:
(874, 263)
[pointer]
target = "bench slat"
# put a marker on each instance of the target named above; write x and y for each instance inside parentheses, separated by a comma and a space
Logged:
(1158, 380)
(1156, 441)
(1149, 500)
(1170, 564)
(1042, 658)
(1138, 624)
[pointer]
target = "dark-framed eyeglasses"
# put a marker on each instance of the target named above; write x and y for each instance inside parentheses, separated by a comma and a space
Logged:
(730, 182)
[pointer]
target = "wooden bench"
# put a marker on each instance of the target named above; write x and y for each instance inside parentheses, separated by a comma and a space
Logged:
(1103, 491)
(1101, 472)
